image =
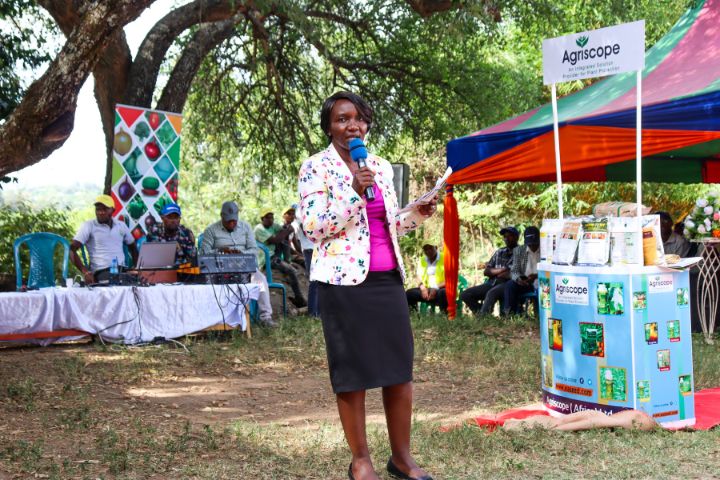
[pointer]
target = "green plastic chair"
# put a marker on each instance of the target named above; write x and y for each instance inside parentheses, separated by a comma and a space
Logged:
(41, 272)
(462, 285)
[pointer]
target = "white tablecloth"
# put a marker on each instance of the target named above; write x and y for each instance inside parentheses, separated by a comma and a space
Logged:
(126, 314)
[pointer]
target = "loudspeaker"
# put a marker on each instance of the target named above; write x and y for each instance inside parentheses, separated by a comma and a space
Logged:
(401, 182)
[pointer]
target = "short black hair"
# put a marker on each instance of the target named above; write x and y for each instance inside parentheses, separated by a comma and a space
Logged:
(363, 108)
(665, 216)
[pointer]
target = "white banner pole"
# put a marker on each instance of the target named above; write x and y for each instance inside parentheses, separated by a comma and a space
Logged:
(556, 135)
(638, 140)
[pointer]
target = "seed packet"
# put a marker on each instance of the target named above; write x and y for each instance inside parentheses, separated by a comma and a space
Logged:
(568, 243)
(625, 241)
(549, 235)
(594, 247)
(653, 251)
(618, 209)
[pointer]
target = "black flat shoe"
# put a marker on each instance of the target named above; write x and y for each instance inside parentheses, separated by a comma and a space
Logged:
(350, 475)
(395, 472)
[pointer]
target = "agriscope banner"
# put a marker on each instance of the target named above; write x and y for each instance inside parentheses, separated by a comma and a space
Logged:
(597, 53)
(146, 165)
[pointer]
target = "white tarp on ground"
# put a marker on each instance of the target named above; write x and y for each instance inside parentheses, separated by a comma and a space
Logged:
(127, 314)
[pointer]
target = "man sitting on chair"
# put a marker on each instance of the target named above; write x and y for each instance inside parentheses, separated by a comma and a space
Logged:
(232, 235)
(170, 230)
(103, 238)
(523, 271)
(497, 269)
(275, 238)
(431, 277)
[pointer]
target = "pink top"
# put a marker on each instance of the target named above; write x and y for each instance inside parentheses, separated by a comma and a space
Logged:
(382, 254)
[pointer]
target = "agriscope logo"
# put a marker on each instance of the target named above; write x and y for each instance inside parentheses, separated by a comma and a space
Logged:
(571, 290)
(600, 52)
(660, 283)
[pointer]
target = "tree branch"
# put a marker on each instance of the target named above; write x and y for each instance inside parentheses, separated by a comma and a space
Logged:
(152, 51)
(44, 119)
(208, 36)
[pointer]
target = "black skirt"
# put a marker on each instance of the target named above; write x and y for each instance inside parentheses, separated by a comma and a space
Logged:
(367, 332)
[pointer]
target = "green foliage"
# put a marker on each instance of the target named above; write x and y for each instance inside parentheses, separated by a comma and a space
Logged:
(21, 219)
(26, 30)
(253, 113)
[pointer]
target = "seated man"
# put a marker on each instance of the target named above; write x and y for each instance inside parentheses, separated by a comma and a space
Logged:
(523, 271)
(273, 236)
(307, 247)
(103, 238)
(431, 278)
(231, 235)
(497, 269)
(672, 242)
(292, 247)
(170, 230)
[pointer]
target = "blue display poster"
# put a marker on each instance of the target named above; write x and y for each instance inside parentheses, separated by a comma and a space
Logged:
(615, 339)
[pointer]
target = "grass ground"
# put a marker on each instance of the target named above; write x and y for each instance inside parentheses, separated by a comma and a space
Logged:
(262, 408)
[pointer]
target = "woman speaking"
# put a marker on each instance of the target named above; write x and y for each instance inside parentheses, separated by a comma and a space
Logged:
(358, 265)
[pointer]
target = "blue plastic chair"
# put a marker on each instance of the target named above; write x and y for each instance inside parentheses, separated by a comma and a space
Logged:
(41, 272)
(199, 240)
(268, 274)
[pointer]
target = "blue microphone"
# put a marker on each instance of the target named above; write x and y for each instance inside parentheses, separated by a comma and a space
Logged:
(359, 153)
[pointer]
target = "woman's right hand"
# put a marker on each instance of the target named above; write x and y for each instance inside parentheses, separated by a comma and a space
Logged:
(363, 178)
(88, 277)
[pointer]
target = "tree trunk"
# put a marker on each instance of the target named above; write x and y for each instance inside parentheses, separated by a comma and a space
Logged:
(111, 78)
(45, 118)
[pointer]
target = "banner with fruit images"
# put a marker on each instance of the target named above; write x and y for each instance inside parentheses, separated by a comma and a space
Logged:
(146, 165)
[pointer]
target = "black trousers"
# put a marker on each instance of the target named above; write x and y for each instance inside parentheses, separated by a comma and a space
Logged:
(414, 297)
(481, 299)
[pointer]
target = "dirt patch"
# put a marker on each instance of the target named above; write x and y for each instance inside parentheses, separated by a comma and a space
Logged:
(269, 392)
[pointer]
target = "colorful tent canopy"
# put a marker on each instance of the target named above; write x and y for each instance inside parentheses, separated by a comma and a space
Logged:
(680, 122)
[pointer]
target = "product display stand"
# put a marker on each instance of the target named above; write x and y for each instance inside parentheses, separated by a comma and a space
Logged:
(708, 287)
(617, 338)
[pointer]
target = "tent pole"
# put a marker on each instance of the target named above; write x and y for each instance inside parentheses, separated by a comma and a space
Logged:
(556, 136)
(638, 140)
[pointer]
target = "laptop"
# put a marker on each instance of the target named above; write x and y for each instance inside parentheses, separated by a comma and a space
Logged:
(157, 255)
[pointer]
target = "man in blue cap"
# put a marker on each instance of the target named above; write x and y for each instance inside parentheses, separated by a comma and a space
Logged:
(481, 299)
(170, 230)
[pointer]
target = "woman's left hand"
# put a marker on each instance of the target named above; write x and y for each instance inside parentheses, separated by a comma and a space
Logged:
(429, 208)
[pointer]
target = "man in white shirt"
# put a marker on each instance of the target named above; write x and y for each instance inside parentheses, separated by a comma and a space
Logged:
(523, 271)
(103, 238)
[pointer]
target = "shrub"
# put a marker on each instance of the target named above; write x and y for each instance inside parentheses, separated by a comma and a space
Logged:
(20, 219)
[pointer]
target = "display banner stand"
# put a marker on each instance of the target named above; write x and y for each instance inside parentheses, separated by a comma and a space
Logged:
(617, 338)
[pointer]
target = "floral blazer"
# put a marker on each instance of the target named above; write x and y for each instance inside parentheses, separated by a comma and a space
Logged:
(334, 217)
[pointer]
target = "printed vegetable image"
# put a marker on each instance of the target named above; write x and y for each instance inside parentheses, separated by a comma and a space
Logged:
(150, 186)
(152, 150)
(125, 190)
(122, 143)
(142, 131)
(154, 120)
